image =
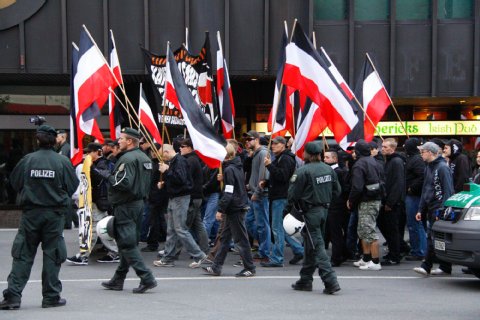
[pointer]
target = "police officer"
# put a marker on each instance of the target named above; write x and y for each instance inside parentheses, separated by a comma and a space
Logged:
(128, 187)
(63, 147)
(45, 181)
(312, 188)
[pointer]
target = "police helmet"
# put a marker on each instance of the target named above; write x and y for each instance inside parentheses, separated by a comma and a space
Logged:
(105, 231)
(292, 225)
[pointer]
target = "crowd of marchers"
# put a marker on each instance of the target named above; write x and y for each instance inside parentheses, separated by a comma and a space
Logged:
(341, 197)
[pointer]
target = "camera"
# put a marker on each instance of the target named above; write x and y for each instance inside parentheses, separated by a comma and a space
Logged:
(38, 120)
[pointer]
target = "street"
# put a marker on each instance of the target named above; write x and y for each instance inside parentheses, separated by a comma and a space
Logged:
(395, 292)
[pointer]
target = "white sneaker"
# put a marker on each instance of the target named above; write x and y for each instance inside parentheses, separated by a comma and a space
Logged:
(438, 272)
(421, 271)
(359, 263)
(198, 263)
(371, 266)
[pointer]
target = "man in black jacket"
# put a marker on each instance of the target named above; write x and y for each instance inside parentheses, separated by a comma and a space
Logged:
(281, 170)
(232, 208)
(366, 194)
(194, 216)
(338, 214)
(393, 206)
(178, 182)
(414, 171)
(458, 163)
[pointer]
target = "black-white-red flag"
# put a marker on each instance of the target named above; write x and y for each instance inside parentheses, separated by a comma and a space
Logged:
(306, 71)
(208, 145)
(114, 112)
(374, 98)
(224, 91)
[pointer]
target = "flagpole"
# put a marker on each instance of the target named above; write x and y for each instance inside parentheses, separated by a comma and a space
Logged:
(368, 117)
(139, 124)
(393, 106)
(325, 143)
(129, 104)
(280, 91)
(148, 136)
(164, 129)
(120, 69)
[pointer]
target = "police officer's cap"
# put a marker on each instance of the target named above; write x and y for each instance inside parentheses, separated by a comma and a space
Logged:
(132, 133)
(313, 148)
(93, 146)
(47, 130)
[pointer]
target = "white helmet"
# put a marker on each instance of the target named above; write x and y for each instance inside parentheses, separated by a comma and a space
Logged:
(105, 232)
(292, 225)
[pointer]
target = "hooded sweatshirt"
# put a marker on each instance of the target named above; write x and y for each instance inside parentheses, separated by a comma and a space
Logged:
(459, 165)
(234, 195)
(414, 168)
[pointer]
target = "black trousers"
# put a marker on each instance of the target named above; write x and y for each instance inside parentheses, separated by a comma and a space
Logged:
(387, 222)
(337, 226)
(158, 225)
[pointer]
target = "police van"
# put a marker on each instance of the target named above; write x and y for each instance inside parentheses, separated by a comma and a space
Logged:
(457, 232)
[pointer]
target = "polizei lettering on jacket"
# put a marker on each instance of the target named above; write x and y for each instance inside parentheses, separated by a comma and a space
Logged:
(39, 173)
(323, 179)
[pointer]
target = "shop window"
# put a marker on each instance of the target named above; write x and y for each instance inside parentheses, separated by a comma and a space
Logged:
(330, 9)
(372, 10)
(414, 9)
(455, 9)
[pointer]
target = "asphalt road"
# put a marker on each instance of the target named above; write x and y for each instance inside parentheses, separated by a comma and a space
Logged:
(395, 292)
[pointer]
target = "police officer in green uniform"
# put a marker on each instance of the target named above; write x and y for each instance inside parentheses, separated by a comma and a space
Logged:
(128, 187)
(311, 190)
(45, 181)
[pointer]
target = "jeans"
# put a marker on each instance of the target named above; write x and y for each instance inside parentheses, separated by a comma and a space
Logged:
(276, 255)
(211, 206)
(177, 229)
(260, 208)
(417, 235)
(250, 222)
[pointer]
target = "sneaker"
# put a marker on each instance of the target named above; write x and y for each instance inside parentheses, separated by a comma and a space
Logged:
(390, 262)
(109, 258)
(78, 260)
(360, 263)
(211, 271)
(239, 263)
(161, 253)
(421, 270)
(163, 263)
(271, 265)
(413, 258)
(198, 263)
(296, 259)
(439, 272)
(371, 266)
(245, 273)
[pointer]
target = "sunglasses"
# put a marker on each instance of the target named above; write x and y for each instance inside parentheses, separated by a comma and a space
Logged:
(249, 139)
(183, 146)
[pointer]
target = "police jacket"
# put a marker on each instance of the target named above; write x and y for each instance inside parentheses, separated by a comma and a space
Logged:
(414, 169)
(437, 186)
(44, 178)
(178, 179)
(131, 177)
(157, 196)
(281, 170)
(395, 179)
(64, 150)
(194, 163)
(234, 196)
(313, 185)
(459, 165)
(365, 171)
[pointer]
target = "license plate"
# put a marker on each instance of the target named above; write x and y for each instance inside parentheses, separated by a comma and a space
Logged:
(439, 245)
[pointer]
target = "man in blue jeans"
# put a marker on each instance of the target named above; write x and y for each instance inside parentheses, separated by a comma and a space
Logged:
(414, 172)
(281, 170)
(259, 194)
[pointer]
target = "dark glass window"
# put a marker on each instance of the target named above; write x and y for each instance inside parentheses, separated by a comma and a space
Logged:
(372, 10)
(414, 9)
(330, 9)
(455, 9)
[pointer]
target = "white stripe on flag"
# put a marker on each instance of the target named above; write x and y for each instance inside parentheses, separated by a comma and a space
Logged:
(371, 86)
(310, 69)
(88, 64)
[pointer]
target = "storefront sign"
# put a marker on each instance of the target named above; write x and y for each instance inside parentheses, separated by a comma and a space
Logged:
(426, 128)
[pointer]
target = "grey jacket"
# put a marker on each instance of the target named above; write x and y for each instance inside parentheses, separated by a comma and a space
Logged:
(259, 172)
